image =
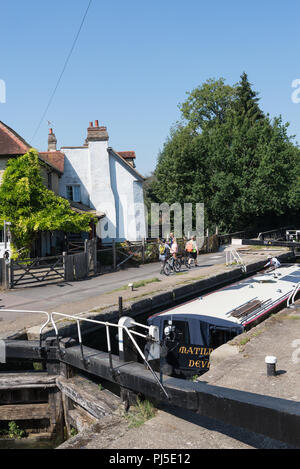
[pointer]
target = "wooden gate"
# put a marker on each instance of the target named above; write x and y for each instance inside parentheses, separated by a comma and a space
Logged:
(33, 272)
(90, 248)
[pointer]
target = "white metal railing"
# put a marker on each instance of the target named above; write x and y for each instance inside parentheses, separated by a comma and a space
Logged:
(232, 257)
(50, 319)
(291, 298)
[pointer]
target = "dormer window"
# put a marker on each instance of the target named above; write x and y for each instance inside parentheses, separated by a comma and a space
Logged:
(74, 193)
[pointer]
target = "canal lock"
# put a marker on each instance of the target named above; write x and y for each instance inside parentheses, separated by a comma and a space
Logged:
(50, 409)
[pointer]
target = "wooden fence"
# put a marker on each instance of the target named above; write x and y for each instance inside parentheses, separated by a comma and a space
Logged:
(79, 265)
(32, 272)
(83, 264)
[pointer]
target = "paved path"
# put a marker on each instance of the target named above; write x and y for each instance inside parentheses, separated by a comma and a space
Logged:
(49, 297)
(102, 292)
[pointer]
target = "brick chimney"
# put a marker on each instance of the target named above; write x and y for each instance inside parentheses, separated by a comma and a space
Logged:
(96, 133)
(51, 141)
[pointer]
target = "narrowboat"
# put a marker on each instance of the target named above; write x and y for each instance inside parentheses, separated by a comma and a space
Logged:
(191, 331)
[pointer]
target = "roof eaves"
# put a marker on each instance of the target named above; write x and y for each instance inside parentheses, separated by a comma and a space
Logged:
(42, 156)
(131, 168)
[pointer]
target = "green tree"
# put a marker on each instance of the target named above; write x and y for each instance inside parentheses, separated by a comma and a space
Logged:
(241, 164)
(31, 207)
(208, 104)
(246, 102)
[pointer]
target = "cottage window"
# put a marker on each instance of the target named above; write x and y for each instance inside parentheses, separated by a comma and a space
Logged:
(73, 193)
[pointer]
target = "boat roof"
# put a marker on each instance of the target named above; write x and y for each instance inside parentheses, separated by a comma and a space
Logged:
(244, 301)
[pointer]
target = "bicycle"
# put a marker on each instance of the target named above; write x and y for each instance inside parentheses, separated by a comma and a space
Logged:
(184, 260)
(171, 264)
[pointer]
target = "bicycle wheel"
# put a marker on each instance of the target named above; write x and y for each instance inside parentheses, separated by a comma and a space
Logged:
(177, 266)
(167, 269)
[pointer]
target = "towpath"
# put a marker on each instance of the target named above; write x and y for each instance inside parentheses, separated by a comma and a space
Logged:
(103, 291)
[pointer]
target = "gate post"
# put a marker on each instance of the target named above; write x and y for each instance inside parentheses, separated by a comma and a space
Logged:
(143, 250)
(114, 255)
(64, 265)
(10, 273)
(95, 256)
(87, 254)
(5, 275)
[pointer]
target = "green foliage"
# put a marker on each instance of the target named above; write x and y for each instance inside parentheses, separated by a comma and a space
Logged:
(31, 207)
(246, 104)
(73, 432)
(241, 164)
(13, 432)
(143, 411)
(208, 104)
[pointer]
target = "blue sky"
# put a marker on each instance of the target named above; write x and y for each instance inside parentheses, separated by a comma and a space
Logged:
(135, 61)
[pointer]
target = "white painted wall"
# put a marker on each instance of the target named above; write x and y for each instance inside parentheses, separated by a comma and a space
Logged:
(107, 185)
(76, 172)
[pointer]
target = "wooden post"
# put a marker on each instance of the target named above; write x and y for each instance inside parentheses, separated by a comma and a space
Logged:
(120, 306)
(64, 265)
(207, 235)
(87, 254)
(5, 275)
(114, 255)
(10, 273)
(56, 412)
(95, 255)
(143, 251)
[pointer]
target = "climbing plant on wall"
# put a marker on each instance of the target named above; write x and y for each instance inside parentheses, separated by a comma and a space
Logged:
(30, 207)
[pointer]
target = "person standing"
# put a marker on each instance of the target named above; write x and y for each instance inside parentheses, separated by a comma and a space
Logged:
(174, 251)
(193, 251)
(164, 253)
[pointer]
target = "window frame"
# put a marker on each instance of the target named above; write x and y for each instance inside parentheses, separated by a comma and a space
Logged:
(72, 188)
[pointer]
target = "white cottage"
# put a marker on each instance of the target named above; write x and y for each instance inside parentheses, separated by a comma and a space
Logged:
(97, 176)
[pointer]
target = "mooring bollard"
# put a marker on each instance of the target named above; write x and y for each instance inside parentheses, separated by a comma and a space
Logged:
(271, 365)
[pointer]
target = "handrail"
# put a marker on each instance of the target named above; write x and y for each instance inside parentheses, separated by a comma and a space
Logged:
(30, 312)
(274, 231)
(50, 318)
(233, 255)
(291, 298)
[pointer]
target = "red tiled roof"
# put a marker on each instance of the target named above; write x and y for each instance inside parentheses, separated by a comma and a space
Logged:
(54, 158)
(10, 142)
(132, 168)
(127, 154)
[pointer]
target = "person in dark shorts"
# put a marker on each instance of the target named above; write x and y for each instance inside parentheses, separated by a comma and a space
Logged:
(193, 251)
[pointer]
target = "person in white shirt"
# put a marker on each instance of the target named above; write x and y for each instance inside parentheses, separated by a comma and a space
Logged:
(273, 263)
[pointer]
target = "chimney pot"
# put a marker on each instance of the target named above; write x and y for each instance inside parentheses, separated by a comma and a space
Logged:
(51, 141)
(96, 133)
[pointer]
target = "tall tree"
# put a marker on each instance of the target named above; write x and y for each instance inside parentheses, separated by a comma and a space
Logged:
(243, 166)
(207, 104)
(246, 104)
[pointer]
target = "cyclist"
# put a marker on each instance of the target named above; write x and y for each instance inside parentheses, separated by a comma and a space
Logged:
(174, 250)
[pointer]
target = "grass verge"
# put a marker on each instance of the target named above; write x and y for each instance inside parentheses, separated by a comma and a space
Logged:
(143, 411)
(139, 284)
